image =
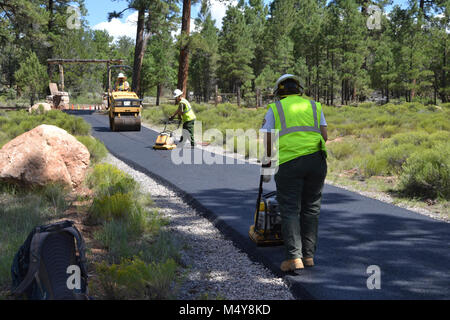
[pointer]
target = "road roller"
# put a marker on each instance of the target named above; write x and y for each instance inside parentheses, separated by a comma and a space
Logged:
(124, 106)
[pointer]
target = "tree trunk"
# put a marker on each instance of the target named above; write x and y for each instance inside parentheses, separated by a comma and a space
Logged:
(444, 96)
(238, 94)
(158, 93)
(332, 79)
(413, 89)
(139, 51)
(183, 67)
(50, 29)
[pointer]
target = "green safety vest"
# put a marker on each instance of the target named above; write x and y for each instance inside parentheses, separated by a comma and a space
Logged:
(187, 112)
(297, 121)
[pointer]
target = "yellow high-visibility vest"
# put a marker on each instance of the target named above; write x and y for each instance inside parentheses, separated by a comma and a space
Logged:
(124, 86)
(187, 112)
(297, 121)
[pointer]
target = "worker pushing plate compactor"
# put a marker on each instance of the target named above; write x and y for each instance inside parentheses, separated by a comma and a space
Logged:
(266, 230)
(124, 106)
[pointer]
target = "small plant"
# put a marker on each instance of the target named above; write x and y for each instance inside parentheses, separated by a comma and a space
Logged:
(96, 148)
(341, 150)
(118, 206)
(56, 195)
(135, 279)
(107, 180)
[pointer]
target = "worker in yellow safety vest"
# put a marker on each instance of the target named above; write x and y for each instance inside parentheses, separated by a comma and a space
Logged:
(122, 83)
(187, 115)
(297, 129)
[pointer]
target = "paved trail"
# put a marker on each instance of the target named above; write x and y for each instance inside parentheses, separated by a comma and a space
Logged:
(411, 250)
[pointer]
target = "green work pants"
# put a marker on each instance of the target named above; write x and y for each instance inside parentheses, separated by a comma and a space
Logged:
(299, 194)
(188, 131)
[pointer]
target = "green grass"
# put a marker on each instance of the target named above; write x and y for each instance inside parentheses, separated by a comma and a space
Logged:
(141, 256)
(136, 279)
(406, 141)
(96, 148)
(19, 214)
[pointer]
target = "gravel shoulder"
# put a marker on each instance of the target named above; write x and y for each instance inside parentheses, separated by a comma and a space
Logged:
(216, 269)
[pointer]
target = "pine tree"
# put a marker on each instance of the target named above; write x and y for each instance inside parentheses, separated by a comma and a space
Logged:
(205, 54)
(236, 48)
(31, 77)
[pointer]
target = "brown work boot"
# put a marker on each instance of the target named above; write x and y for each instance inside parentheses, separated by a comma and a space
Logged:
(291, 265)
(308, 262)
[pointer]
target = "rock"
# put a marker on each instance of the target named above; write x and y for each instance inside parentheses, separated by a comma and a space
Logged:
(46, 106)
(43, 155)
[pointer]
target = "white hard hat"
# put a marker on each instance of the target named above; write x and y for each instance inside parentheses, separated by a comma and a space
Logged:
(121, 75)
(285, 77)
(177, 93)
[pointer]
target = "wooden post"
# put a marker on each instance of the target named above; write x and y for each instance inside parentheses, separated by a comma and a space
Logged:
(238, 94)
(61, 76)
(216, 95)
(258, 98)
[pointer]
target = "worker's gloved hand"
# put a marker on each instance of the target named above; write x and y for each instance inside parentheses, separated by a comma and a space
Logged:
(267, 178)
(266, 170)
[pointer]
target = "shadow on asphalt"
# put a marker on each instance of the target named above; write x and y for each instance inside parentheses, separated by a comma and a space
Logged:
(102, 129)
(411, 252)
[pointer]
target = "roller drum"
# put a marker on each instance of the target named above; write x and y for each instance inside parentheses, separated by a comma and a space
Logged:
(127, 123)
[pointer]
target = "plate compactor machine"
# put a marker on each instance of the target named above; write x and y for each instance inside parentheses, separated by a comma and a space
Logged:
(124, 107)
(165, 140)
(266, 230)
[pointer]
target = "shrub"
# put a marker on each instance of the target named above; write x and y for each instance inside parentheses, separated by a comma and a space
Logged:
(118, 206)
(374, 166)
(395, 156)
(96, 148)
(107, 180)
(117, 240)
(341, 150)
(56, 195)
(427, 173)
(133, 278)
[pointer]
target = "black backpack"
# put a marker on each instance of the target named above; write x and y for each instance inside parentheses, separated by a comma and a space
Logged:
(48, 258)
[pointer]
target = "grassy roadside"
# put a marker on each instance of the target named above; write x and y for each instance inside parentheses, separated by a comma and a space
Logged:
(141, 259)
(129, 253)
(400, 150)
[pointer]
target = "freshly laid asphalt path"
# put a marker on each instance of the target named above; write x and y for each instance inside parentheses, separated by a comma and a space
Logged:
(411, 250)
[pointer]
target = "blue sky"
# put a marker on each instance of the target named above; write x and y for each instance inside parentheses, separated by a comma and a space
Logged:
(98, 15)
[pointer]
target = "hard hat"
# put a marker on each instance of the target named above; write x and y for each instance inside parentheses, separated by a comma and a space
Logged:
(285, 77)
(121, 75)
(177, 93)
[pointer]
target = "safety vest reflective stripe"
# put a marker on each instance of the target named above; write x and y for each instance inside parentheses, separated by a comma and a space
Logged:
(284, 130)
(188, 114)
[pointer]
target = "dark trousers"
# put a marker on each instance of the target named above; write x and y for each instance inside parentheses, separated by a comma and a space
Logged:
(299, 193)
(188, 131)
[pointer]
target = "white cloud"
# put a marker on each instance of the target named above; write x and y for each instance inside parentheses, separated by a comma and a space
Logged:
(117, 28)
(218, 10)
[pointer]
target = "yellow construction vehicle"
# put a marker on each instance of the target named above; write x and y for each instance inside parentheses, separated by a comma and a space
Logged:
(124, 106)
